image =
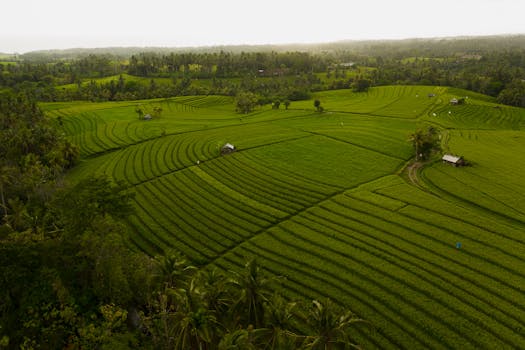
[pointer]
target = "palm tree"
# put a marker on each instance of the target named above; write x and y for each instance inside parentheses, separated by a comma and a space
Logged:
(280, 317)
(216, 296)
(195, 324)
(161, 320)
(418, 139)
(240, 339)
(179, 317)
(331, 327)
(172, 269)
(253, 291)
(425, 142)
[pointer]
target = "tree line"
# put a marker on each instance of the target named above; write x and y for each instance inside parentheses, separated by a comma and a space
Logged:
(492, 66)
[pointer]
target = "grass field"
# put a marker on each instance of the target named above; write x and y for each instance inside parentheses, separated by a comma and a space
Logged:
(319, 198)
(115, 78)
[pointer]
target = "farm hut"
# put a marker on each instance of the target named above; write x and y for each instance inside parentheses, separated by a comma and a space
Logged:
(147, 117)
(227, 149)
(431, 95)
(454, 101)
(454, 160)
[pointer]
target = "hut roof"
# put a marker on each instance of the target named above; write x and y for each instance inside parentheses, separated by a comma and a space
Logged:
(451, 159)
(228, 146)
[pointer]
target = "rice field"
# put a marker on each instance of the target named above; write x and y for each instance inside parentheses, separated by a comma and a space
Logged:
(318, 198)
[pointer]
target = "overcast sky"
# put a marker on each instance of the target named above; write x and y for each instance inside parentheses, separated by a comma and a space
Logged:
(27, 25)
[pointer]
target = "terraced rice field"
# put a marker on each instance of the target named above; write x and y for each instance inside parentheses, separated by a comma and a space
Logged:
(320, 199)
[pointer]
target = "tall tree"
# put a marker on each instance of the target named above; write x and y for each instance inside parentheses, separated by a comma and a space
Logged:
(331, 327)
(253, 291)
(281, 319)
(317, 105)
(245, 102)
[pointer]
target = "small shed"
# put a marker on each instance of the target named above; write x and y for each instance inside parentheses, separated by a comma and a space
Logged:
(454, 101)
(431, 95)
(454, 160)
(147, 117)
(227, 149)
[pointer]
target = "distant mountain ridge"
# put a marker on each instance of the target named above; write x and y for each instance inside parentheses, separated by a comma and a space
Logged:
(468, 44)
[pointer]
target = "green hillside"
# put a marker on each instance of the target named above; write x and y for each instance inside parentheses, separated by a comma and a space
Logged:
(321, 199)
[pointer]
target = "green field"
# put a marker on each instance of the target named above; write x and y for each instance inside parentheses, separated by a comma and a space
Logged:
(115, 78)
(321, 199)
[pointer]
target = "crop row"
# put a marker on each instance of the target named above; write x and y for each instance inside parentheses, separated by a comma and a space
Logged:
(398, 263)
(395, 147)
(315, 272)
(400, 251)
(301, 283)
(499, 185)
(479, 116)
(495, 155)
(397, 101)
(386, 275)
(478, 258)
(160, 156)
(205, 216)
(94, 135)
(150, 159)
(387, 136)
(376, 98)
(403, 272)
(459, 188)
(416, 198)
(411, 106)
(327, 161)
(434, 256)
(493, 181)
(235, 172)
(301, 184)
(491, 243)
(507, 254)
(158, 234)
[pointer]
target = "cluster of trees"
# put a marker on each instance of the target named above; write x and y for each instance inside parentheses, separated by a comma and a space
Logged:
(59, 72)
(227, 64)
(239, 310)
(34, 155)
(122, 89)
(513, 94)
(494, 73)
(425, 142)
(68, 278)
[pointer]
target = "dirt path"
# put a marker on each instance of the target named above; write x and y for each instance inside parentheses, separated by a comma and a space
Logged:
(412, 172)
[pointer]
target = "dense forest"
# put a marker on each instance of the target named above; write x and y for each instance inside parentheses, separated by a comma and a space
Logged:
(489, 65)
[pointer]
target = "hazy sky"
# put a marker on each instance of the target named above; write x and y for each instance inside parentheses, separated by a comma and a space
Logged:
(27, 25)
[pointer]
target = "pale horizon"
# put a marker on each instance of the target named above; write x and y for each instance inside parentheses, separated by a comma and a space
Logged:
(31, 25)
